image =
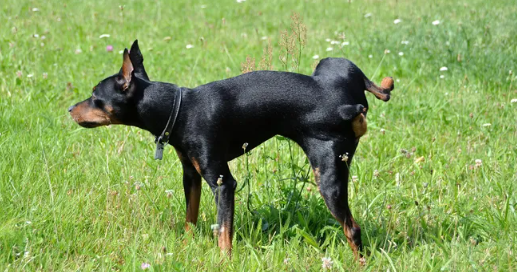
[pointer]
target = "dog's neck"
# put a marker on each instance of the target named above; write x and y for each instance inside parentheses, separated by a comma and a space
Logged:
(154, 103)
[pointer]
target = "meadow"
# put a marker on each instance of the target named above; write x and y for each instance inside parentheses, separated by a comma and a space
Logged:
(432, 184)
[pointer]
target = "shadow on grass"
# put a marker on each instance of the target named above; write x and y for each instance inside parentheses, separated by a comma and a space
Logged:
(305, 218)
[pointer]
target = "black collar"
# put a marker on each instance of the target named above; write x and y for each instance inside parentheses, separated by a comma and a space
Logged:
(164, 137)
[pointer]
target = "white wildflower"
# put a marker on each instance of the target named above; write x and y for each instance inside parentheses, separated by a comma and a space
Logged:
(326, 263)
(513, 100)
(316, 57)
(370, 56)
(404, 42)
(443, 69)
(436, 22)
(169, 193)
(397, 21)
(401, 54)
(189, 46)
(487, 124)
(367, 15)
(345, 43)
(330, 48)
(104, 36)
(478, 162)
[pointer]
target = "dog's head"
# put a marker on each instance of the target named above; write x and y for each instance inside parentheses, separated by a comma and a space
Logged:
(112, 100)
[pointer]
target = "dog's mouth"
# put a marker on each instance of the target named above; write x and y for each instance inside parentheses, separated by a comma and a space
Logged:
(90, 124)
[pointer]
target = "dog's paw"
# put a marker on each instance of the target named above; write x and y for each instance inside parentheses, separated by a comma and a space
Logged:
(387, 84)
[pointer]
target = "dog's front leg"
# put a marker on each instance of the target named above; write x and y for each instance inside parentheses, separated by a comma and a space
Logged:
(192, 189)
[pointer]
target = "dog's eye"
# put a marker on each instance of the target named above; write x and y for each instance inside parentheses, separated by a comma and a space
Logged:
(98, 103)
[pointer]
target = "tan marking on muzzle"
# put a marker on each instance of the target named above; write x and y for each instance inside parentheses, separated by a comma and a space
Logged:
(85, 115)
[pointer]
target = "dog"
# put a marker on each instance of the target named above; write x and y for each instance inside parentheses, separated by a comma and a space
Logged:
(325, 114)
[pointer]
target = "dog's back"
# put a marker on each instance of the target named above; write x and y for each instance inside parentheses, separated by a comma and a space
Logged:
(258, 105)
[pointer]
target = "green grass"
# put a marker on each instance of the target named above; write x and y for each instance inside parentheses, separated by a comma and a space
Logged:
(69, 198)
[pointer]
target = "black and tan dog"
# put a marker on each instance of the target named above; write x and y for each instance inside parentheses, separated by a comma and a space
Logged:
(208, 125)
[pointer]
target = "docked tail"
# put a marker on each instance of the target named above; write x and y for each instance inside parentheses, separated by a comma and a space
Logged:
(383, 92)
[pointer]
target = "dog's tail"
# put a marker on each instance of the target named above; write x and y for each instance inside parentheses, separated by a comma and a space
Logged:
(383, 92)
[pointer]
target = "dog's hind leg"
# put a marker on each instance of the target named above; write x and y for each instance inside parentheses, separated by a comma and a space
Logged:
(223, 185)
(383, 92)
(214, 169)
(331, 175)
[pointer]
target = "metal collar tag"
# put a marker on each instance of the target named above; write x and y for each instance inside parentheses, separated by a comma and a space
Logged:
(164, 137)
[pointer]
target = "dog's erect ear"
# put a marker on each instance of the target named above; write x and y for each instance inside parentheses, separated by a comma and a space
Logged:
(138, 61)
(127, 70)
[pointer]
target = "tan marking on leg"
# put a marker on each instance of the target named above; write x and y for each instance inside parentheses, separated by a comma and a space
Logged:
(383, 92)
(196, 164)
(193, 206)
(348, 233)
(316, 171)
(225, 239)
(179, 154)
(359, 125)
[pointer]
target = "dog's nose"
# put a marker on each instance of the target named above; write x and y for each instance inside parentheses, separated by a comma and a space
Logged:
(71, 108)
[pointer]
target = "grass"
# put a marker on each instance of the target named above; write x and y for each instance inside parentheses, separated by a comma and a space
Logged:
(79, 199)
